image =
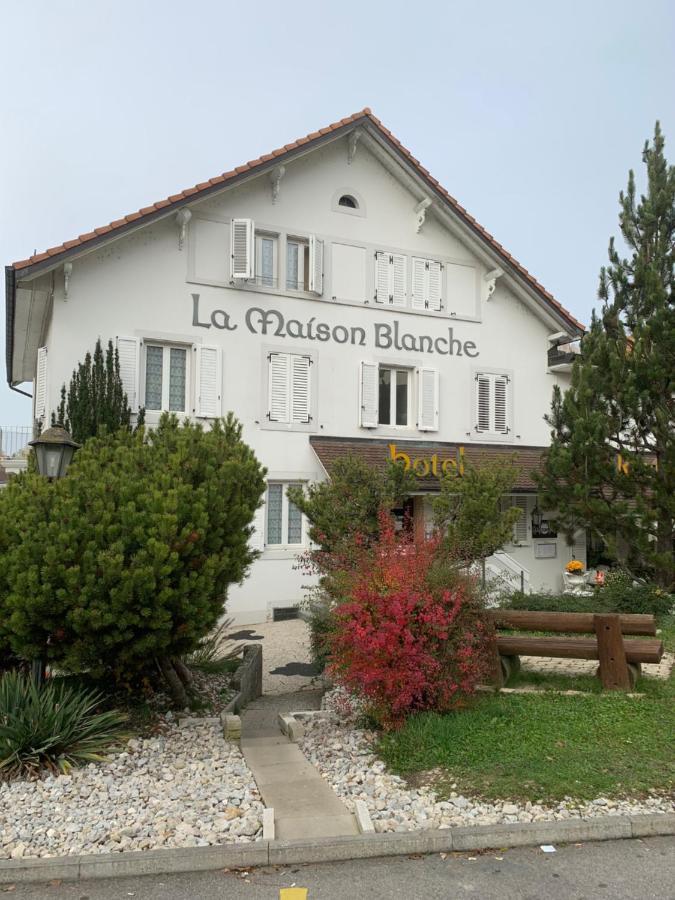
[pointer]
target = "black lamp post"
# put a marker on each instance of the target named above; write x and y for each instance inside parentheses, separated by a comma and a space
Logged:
(54, 451)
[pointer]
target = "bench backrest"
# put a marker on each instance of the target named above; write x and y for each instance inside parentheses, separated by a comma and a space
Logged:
(576, 623)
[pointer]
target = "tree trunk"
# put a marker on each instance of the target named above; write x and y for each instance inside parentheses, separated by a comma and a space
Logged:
(176, 687)
(183, 672)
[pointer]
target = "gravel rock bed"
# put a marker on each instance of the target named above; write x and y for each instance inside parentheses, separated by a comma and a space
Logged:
(346, 758)
(187, 787)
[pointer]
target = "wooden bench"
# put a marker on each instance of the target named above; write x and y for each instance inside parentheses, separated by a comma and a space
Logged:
(619, 659)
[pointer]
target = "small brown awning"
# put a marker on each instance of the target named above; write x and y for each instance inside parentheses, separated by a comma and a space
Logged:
(429, 459)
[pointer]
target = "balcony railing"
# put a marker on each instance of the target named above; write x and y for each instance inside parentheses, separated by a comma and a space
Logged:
(14, 440)
(561, 357)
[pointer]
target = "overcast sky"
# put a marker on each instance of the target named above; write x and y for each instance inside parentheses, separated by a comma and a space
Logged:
(529, 114)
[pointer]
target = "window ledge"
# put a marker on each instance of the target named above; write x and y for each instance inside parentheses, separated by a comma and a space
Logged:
(282, 552)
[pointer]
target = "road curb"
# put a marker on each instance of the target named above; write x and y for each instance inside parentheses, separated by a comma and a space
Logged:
(362, 846)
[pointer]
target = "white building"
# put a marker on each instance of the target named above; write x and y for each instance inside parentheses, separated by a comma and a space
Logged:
(337, 299)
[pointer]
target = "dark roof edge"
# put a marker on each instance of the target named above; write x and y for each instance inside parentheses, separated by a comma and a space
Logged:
(337, 439)
(10, 309)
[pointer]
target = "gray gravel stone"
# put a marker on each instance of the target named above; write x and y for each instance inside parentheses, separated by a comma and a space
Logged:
(345, 757)
(184, 788)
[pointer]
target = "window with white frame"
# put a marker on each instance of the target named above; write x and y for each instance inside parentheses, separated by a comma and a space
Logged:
(166, 378)
(289, 397)
(297, 264)
(394, 396)
(266, 259)
(387, 397)
(255, 256)
(492, 403)
(284, 525)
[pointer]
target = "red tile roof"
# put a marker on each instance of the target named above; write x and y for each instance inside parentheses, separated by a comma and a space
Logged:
(376, 452)
(365, 117)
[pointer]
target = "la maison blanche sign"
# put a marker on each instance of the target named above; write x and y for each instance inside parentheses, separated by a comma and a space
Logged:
(385, 336)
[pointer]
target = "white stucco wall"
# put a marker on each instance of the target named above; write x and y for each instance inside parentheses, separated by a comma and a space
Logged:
(143, 285)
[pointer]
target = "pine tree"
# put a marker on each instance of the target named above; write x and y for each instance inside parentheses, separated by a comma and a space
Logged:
(121, 568)
(95, 397)
(611, 464)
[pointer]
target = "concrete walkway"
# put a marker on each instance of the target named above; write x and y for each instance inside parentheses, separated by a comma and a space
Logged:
(304, 805)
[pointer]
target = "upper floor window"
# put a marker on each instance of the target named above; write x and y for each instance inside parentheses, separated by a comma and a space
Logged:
(427, 278)
(166, 377)
(255, 257)
(266, 259)
(391, 278)
(348, 201)
(289, 399)
(492, 405)
(394, 396)
(297, 264)
(389, 398)
(163, 377)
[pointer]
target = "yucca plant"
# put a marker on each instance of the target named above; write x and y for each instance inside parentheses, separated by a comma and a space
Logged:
(54, 726)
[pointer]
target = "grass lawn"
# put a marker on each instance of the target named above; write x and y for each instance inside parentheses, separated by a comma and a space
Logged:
(546, 747)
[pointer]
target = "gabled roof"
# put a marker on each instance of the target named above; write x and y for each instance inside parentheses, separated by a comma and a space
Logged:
(39, 262)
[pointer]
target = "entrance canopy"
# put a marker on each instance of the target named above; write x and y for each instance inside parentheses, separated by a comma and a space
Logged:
(430, 460)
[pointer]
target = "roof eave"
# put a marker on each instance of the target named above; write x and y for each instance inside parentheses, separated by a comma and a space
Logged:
(10, 308)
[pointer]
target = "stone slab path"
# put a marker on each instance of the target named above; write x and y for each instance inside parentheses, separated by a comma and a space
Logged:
(287, 665)
(304, 805)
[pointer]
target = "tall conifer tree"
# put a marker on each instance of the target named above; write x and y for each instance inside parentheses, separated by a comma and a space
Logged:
(95, 397)
(611, 464)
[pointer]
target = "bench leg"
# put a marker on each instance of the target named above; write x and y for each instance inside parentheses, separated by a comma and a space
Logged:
(510, 667)
(614, 673)
(496, 673)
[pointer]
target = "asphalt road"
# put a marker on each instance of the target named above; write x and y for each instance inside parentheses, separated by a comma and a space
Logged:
(616, 870)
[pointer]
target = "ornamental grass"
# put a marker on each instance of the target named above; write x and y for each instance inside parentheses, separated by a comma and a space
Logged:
(53, 726)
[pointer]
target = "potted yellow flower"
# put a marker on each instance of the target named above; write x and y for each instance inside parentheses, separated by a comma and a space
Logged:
(574, 580)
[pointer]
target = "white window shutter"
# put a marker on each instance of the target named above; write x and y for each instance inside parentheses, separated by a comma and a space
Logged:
(578, 548)
(520, 529)
(419, 283)
(257, 539)
(300, 389)
(522, 502)
(41, 385)
(369, 394)
(501, 404)
(242, 242)
(315, 265)
(382, 280)
(428, 400)
(435, 274)
(483, 418)
(209, 382)
(398, 279)
(278, 393)
(128, 351)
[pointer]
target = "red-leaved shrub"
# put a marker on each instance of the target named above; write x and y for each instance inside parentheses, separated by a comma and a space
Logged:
(409, 635)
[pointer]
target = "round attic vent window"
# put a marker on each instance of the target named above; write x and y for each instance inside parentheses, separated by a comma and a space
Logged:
(348, 201)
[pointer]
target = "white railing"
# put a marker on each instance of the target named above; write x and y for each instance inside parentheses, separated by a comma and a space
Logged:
(14, 440)
(508, 571)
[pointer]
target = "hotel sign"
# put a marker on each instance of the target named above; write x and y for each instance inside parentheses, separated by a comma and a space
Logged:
(384, 336)
(426, 466)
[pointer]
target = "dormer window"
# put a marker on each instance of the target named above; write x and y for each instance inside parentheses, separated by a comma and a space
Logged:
(348, 201)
